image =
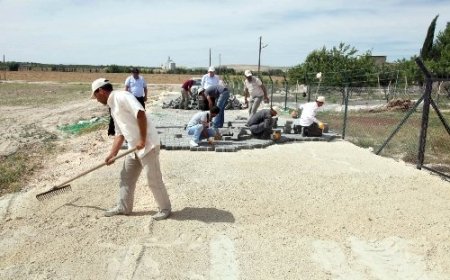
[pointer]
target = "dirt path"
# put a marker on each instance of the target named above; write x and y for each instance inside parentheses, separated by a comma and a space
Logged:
(310, 210)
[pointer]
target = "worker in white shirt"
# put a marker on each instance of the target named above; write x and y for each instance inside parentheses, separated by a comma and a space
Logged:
(137, 86)
(308, 122)
(135, 126)
(210, 79)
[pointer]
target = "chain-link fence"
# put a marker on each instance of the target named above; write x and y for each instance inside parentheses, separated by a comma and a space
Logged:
(392, 120)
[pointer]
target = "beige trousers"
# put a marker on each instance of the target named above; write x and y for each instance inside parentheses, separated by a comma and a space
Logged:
(132, 168)
(184, 99)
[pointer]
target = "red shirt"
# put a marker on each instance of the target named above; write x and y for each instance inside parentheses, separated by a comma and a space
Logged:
(188, 84)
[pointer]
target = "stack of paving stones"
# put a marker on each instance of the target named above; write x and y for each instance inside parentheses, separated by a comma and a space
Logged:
(171, 123)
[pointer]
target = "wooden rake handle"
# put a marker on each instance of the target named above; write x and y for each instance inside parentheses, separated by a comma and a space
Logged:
(95, 168)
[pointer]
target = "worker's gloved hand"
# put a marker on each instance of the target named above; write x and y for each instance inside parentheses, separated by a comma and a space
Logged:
(321, 125)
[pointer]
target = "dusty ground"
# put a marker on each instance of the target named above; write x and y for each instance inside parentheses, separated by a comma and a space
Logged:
(310, 210)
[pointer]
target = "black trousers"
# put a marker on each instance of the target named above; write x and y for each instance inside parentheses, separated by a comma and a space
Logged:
(264, 129)
(310, 131)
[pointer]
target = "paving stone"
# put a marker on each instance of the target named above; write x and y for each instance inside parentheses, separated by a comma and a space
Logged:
(226, 149)
(171, 123)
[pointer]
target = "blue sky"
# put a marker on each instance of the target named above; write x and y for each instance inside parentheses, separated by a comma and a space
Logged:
(147, 32)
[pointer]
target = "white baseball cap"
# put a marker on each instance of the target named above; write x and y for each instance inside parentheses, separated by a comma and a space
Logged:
(98, 84)
(321, 99)
(211, 69)
(248, 73)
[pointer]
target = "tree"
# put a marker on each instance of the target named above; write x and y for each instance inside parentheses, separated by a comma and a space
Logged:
(441, 49)
(340, 65)
(426, 51)
(13, 66)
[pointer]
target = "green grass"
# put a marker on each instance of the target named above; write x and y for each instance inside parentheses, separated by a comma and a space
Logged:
(371, 129)
(12, 169)
(17, 167)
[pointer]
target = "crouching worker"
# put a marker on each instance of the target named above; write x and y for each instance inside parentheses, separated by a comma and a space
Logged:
(199, 126)
(261, 123)
(308, 122)
(133, 125)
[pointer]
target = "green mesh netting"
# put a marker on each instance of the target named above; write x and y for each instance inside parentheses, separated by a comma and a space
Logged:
(82, 126)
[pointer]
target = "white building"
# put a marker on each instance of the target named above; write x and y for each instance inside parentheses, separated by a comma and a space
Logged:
(169, 65)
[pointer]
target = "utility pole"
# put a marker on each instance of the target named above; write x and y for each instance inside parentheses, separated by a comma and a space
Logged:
(209, 57)
(260, 48)
(4, 67)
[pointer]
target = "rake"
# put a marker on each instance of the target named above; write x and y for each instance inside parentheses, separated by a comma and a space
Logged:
(64, 187)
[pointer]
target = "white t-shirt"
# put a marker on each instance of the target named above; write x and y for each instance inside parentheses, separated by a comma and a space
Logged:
(254, 87)
(208, 81)
(124, 109)
(199, 118)
(136, 86)
(308, 116)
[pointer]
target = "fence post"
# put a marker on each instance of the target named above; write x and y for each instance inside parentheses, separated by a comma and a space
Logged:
(425, 113)
(345, 111)
(271, 93)
(285, 97)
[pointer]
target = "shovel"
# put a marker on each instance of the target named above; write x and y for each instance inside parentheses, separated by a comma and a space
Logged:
(63, 187)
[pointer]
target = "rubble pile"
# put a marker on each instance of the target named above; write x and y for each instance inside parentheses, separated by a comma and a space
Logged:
(400, 104)
(195, 104)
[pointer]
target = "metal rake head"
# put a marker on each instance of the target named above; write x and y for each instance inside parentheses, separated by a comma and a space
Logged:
(53, 191)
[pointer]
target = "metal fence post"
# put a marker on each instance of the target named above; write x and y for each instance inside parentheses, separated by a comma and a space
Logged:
(271, 93)
(345, 111)
(285, 97)
(425, 113)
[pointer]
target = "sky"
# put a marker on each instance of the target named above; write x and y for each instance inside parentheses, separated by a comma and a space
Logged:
(148, 32)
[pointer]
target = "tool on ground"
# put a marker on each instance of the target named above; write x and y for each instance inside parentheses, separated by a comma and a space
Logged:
(63, 187)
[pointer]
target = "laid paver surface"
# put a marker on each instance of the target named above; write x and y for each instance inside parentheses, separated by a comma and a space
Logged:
(171, 123)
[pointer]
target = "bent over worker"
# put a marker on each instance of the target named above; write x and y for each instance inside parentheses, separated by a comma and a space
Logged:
(261, 123)
(308, 122)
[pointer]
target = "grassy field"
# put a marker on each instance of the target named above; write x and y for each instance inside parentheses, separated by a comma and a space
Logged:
(371, 129)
